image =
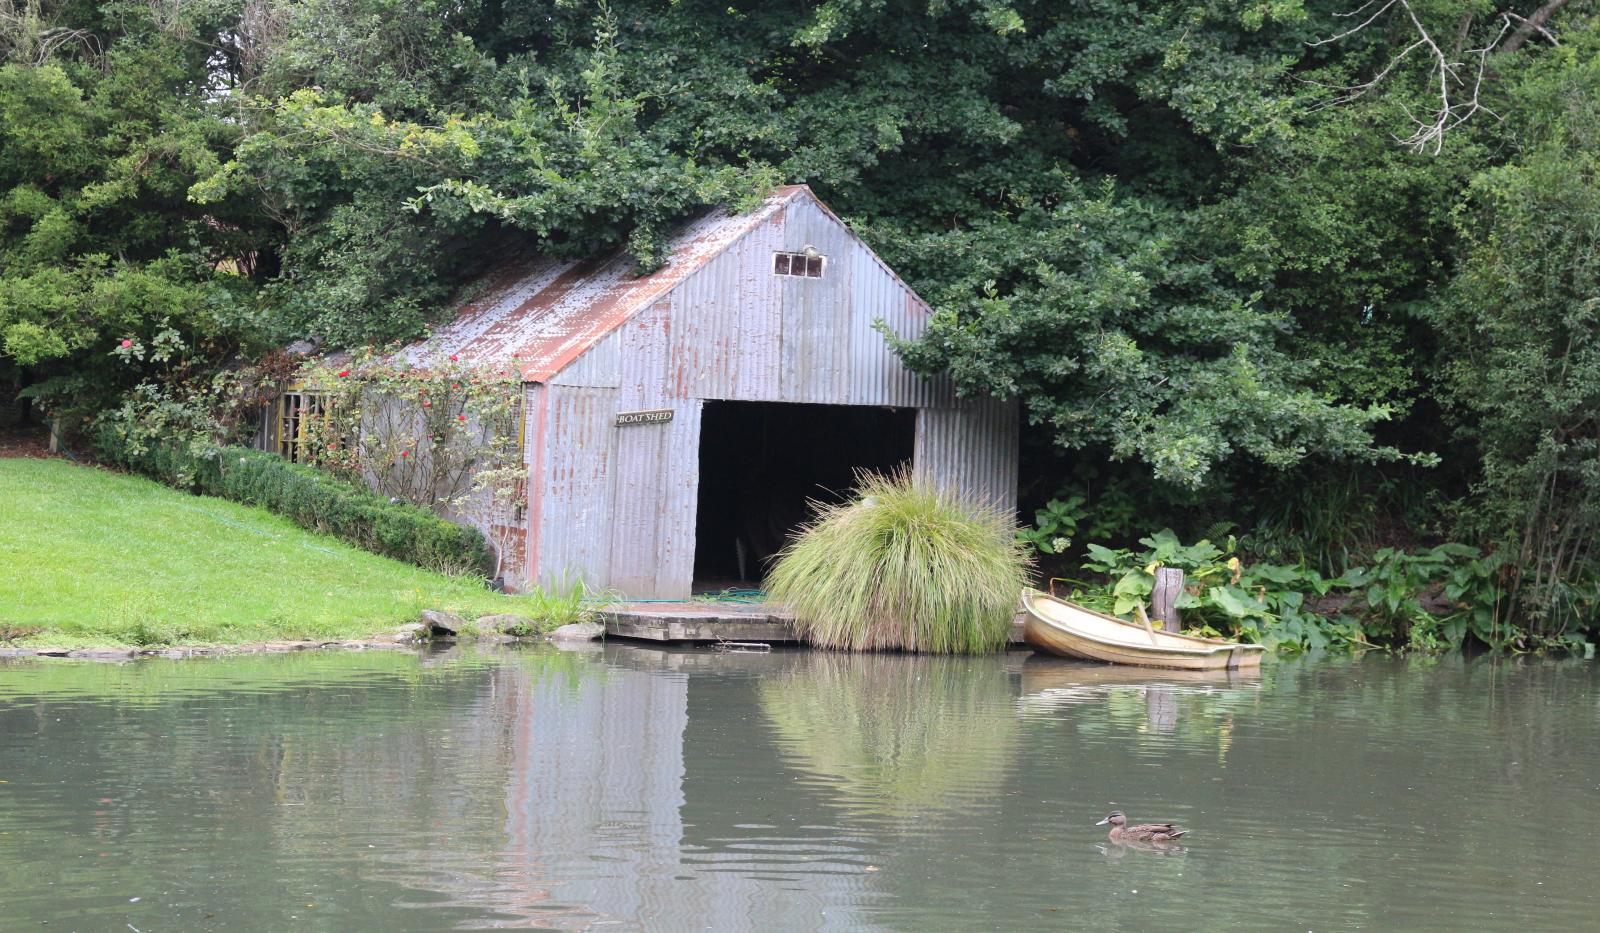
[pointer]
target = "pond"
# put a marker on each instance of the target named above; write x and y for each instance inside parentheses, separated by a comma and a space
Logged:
(631, 788)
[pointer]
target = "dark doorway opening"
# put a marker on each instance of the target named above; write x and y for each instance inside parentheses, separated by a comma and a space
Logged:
(763, 463)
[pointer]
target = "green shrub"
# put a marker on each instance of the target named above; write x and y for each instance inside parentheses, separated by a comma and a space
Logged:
(903, 565)
(309, 498)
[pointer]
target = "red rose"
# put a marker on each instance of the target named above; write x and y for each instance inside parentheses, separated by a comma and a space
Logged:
(453, 357)
(427, 404)
(404, 453)
(461, 417)
(126, 344)
(343, 373)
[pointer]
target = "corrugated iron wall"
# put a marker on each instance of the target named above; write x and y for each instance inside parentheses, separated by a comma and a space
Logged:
(571, 525)
(619, 503)
(601, 367)
(619, 509)
(658, 465)
(971, 450)
(653, 516)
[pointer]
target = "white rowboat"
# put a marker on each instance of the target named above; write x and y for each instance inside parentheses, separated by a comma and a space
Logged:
(1056, 626)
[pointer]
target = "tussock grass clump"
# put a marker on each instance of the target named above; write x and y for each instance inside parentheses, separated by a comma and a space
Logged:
(902, 565)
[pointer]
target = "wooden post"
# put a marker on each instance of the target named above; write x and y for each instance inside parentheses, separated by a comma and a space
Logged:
(1164, 599)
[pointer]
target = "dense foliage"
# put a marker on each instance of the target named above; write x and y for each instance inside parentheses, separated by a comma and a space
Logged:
(1328, 277)
(1520, 326)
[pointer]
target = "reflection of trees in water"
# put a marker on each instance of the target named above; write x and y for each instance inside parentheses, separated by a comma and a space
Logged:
(1520, 707)
(416, 770)
(301, 773)
(895, 734)
(149, 683)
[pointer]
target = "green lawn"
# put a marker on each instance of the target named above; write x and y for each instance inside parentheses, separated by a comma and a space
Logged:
(92, 557)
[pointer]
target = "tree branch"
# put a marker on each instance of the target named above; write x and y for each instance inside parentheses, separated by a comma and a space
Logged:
(1533, 24)
(1458, 96)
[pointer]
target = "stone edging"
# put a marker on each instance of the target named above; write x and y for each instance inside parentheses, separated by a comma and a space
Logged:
(433, 628)
(197, 651)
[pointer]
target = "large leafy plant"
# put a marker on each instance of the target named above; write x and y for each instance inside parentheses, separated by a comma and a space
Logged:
(1054, 525)
(1427, 599)
(1263, 602)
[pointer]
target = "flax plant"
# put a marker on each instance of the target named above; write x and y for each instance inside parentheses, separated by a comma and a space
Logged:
(903, 565)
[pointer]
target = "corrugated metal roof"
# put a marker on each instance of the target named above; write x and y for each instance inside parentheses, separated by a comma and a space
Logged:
(545, 313)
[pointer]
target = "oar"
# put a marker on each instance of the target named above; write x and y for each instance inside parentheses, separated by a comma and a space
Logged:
(1145, 620)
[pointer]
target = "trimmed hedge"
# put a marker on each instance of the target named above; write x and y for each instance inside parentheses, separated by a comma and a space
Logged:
(314, 500)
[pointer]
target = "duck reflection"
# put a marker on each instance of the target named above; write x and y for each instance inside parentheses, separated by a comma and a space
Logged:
(1116, 850)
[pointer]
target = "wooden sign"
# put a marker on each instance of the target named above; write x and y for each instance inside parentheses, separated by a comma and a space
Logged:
(652, 416)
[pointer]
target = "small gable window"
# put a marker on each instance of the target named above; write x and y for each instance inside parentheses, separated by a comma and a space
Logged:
(807, 264)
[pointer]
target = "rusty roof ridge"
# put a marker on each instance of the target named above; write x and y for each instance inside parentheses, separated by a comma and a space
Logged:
(539, 315)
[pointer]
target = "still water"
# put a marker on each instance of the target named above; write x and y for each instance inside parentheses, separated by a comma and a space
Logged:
(628, 788)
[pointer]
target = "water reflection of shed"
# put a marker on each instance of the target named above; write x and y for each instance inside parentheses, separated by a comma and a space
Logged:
(595, 833)
(678, 422)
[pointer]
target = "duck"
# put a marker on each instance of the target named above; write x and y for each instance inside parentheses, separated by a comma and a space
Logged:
(1143, 832)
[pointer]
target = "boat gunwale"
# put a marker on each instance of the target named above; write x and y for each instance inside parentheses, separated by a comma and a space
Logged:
(1214, 645)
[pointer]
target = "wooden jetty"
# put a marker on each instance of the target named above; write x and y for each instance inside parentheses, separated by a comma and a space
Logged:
(700, 621)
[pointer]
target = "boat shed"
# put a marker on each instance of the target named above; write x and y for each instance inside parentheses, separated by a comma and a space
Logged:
(678, 424)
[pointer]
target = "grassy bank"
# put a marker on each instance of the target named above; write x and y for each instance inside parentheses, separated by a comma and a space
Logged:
(100, 558)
